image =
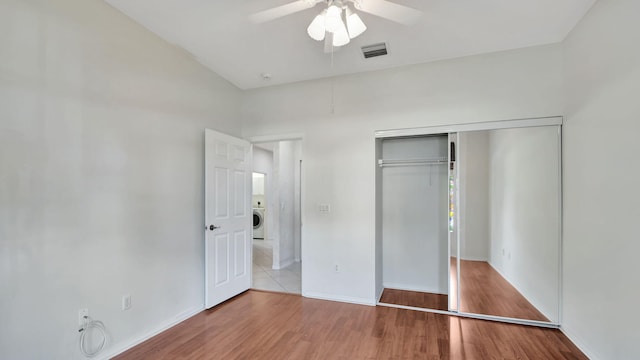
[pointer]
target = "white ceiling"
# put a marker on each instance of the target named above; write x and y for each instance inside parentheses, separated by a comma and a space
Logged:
(219, 34)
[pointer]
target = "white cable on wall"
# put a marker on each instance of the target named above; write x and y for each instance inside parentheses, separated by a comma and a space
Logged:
(95, 325)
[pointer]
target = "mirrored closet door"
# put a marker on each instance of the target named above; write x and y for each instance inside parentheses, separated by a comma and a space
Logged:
(471, 222)
(509, 224)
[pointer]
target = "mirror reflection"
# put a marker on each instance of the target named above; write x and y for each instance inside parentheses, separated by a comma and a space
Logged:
(509, 193)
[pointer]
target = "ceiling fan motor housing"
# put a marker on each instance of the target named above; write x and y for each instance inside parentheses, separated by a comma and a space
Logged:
(339, 3)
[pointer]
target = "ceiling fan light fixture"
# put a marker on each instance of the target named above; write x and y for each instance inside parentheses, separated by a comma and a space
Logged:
(337, 25)
(316, 29)
(333, 18)
(355, 26)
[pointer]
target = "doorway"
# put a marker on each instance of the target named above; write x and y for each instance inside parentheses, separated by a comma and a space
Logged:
(276, 203)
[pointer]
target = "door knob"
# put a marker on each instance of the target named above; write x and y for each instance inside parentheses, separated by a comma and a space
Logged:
(213, 227)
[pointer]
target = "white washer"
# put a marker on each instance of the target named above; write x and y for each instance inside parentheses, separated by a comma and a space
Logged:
(258, 223)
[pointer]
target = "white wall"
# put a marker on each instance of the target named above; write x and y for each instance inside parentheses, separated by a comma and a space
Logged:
(473, 167)
(524, 212)
(258, 191)
(101, 175)
(284, 178)
(262, 160)
(601, 176)
(339, 147)
(263, 164)
(414, 216)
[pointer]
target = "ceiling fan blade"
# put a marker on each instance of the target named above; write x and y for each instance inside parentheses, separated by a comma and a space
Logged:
(391, 11)
(282, 10)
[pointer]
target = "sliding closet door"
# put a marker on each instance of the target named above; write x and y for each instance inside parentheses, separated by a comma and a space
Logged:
(470, 219)
(510, 223)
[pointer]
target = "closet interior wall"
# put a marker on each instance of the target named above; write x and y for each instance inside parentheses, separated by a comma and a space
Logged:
(414, 214)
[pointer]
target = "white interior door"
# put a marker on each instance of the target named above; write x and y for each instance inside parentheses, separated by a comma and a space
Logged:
(228, 217)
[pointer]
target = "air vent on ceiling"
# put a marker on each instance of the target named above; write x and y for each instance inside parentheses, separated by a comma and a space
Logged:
(374, 50)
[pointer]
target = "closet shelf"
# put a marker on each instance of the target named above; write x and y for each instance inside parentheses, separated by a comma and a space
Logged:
(412, 162)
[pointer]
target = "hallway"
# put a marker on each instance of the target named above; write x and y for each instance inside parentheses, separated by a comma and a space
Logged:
(266, 278)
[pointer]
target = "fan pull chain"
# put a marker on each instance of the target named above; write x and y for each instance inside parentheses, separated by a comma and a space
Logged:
(333, 109)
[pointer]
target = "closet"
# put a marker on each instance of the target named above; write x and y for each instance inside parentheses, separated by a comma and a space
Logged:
(414, 217)
(468, 220)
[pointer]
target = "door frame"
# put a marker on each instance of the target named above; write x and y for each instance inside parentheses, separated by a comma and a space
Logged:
(260, 139)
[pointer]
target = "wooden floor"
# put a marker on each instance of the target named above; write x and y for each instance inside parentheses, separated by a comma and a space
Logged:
(415, 298)
(483, 291)
(260, 325)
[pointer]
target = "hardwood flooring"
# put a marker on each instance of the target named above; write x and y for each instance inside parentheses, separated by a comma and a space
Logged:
(483, 291)
(259, 325)
(415, 299)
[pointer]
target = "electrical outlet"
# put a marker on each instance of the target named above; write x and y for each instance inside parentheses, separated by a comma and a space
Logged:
(337, 268)
(126, 302)
(82, 314)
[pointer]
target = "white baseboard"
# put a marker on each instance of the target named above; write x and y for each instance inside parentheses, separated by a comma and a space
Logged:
(471, 258)
(406, 287)
(164, 326)
(340, 298)
(577, 341)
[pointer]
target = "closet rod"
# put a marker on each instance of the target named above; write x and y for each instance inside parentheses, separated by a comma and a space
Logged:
(411, 162)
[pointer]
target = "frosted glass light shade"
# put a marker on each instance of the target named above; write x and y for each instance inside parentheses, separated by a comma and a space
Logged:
(333, 19)
(355, 25)
(316, 29)
(341, 36)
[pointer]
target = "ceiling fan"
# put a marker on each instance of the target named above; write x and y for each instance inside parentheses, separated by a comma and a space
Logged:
(338, 23)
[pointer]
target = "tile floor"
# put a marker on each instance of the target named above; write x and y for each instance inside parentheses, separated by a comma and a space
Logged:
(265, 278)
